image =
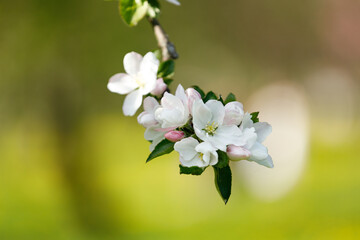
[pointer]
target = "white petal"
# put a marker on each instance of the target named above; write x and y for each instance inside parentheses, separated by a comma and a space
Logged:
(132, 62)
(267, 162)
(226, 135)
(149, 64)
(249, 136)
(186, 148)
(121, 83)
(171, 102)
(201, 114)
(132, 103)
(246, 121)
(151, 134)
(263, 130)
(149, 82)
(258, 152)
(176, 2)
(180, 93)
(217, 109)
(150, 104)
(208, 151)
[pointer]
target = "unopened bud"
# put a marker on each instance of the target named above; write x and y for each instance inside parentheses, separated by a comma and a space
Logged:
(174, 136)
(159, 88)
(236, 153)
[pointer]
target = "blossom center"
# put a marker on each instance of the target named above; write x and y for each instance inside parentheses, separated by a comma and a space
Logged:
(211, 128)
(139, 82)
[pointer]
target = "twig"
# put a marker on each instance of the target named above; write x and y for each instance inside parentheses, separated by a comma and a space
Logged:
(167, 48)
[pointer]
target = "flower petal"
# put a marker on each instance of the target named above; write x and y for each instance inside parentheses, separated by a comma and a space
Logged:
(226, 135)
(132, 103)
(201, 114)
(267, 162)
(176, 2)
(186, 148)
(149, 64)
(263, 129)
(132, 62)
(218, 111)
(258, 152)
(121, 83)
(150, 103)
(233, 113)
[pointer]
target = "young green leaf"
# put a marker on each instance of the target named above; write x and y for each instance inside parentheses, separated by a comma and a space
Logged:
(199, 90)
(255, 117)
(210, 95)
(230, 98)
(191, 170)
(164, 147)
(132, 12)
(166, 69)
(223, 159)
(223, 182)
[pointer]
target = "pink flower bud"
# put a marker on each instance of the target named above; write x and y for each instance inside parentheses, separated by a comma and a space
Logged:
(236, 153)
(192, 95)
(159, 88)
(174, 136)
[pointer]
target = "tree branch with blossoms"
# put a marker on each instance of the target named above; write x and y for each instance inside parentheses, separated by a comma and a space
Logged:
(205, 129)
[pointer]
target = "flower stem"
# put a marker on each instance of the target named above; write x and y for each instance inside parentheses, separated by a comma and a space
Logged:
(167, 48)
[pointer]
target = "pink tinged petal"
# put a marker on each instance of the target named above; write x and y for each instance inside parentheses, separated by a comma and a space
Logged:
(174, 136)
(258, 152)
(263, 130)
(186, 148)
(233, 113)
(159, 88)
(171, 102)
(237, 153)
(132, 103)
(132, 62)
(151, 134)
(121, 83)
(192, 95)
(201, 114)
(218, 111)
(150, 104)
(149, 64)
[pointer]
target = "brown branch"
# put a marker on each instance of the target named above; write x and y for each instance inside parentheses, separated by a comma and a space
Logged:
(167, 48)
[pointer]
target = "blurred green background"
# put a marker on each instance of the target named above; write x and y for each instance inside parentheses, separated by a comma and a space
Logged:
(73, 167)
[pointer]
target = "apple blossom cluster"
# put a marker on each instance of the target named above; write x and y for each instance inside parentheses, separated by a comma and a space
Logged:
(204, 129)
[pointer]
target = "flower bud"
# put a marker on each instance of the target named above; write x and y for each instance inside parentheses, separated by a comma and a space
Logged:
(236, 153)
(234, 113)
(174, 136)
(192, 95)
(159, 88)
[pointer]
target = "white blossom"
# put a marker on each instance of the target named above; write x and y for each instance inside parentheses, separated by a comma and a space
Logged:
(173, 111)
(139, 80)
(208, 124)
(192, 153)
(147, 117)
(255, 134)
(234, 113)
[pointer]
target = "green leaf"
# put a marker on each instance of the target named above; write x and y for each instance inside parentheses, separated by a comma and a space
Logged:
(223, 159)
(164, 147)
(223, 182)
(132, 12)
(254, 117)
(166, 69)
(230, 98)
(191, 170)
(199, 90)
(210, 95)
(168, 81)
